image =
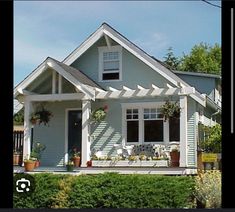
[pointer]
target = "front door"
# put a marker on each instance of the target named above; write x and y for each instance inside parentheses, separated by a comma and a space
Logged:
(74, 129)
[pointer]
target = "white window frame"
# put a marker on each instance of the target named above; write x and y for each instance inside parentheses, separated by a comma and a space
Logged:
(140, 107)
(101, 51)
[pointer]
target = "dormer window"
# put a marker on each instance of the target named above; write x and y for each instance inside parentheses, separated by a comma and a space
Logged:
(110, 63)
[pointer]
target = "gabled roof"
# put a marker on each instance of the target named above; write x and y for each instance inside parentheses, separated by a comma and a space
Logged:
(107, 30)
(73, 75)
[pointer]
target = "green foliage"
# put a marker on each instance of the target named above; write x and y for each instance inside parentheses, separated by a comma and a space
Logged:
(170, 110)
(170, 59)
(46, 189)
(109, 190)
(18, 118)
(208, 188)
(212, 140)
(202, 58)
(37, 150)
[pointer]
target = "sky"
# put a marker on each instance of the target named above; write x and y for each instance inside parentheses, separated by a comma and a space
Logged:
(56, 28)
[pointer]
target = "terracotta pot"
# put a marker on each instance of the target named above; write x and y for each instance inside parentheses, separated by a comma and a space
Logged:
(16, 159)
(29, 166)
(175, 158)
(37, 163)
(89, 163)
(76, 161)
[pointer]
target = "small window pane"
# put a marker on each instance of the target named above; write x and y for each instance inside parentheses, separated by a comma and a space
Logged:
(153, 116)
(146, 110)
(153, 130)
(132, 131)
(135, 116)
(135, 110)
(160, 115)
(129, 116)
(128, 111)
(111, 76)
(153, 110)
(146, 116)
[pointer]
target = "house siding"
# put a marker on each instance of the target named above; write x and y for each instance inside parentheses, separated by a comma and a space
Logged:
(134, 71)
(191, 132)
(53, 136)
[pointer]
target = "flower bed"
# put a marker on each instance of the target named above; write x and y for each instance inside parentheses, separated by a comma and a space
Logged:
(128, 163)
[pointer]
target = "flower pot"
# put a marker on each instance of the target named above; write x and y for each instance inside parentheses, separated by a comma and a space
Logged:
(29, 166)
(70, 168)
(175, 158)
(16, 159)
(76, 161)
(89, 163)
(37, 163)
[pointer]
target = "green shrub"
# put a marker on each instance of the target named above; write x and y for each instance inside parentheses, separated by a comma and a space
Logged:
(208, 188)
(110, 190)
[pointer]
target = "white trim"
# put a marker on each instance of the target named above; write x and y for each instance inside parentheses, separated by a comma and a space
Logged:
(54, 81)
(108, 42)
(86, 111)
(27, 128)
(60, 84)
(183, 132)
(57, 97)
(103, 49)
(66, 155)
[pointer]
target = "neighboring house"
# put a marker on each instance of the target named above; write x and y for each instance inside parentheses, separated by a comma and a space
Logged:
(108, 69)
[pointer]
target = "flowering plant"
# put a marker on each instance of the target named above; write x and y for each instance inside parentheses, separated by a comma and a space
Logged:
(41, 116)
(99, 114)
(75, 152)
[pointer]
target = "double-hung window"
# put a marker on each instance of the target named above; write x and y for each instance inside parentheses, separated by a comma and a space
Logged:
(110, 63)
(132, 119)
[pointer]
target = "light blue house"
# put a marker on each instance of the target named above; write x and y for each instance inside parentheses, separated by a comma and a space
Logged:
(109, 70)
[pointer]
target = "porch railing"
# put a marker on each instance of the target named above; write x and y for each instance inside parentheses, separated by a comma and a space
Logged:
(18, 140)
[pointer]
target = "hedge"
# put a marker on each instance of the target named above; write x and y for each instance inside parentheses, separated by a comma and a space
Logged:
(109, 190)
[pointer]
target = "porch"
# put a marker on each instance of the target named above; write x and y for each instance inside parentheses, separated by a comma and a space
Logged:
(120, 170)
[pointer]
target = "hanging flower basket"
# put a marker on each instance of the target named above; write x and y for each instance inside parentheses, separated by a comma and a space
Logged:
(99, 114)
(170, 110)
(41, 116)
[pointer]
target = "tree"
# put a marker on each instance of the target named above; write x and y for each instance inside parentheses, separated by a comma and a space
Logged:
(202, 58)
(172, 61)
(18, 118)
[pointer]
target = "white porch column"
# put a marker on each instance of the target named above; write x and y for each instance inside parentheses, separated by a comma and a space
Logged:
(183, 131)
(86, 108)
(27, 128)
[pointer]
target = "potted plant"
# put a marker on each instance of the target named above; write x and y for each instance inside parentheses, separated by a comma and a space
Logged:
(37, 153)
(99, 114)
(70, 166)
(170, 110)
(175, 157)
(76, 157)
(41, 116)
(89, 163)
(16, 158)
(29, 164)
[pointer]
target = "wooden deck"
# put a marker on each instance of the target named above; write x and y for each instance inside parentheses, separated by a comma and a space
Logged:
(121, 170)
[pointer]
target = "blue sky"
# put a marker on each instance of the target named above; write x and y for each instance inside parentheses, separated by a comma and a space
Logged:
(56, 28)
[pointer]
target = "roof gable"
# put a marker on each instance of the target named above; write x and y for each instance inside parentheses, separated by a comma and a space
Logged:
(74, 76)
(106, 30)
